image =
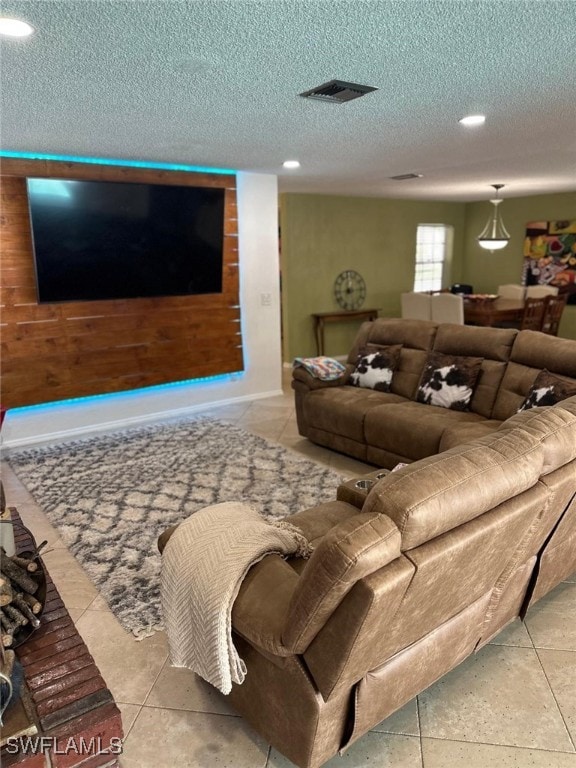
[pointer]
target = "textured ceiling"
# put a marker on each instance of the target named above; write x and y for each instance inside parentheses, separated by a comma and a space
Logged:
(216, 83)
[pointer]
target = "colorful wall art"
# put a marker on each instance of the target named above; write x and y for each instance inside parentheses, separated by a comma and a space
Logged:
(550, 255)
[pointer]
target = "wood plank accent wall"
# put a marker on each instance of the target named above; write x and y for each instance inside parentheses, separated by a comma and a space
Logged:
(58, 351)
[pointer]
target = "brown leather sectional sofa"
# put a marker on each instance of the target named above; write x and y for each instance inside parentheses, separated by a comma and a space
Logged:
(386, 428)
(405, 584)
(414, 575)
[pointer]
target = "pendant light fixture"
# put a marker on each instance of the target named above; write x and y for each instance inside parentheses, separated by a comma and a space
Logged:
(494, 235)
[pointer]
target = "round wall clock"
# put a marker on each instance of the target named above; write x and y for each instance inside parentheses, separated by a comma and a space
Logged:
(350, 289)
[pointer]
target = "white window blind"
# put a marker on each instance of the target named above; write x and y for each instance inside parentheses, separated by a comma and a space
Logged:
(431, 251)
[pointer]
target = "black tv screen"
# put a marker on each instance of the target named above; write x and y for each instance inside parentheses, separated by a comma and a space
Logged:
(115, 240)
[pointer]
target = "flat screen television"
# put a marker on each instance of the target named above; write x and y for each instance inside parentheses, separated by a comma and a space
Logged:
(115, 240)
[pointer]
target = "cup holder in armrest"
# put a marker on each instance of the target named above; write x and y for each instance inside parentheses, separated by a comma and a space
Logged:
(364, 485)
(355, 490)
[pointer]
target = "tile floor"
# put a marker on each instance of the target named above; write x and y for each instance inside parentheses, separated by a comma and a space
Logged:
(513, 705)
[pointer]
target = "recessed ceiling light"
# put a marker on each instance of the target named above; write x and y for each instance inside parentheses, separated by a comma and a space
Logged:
(291, 164)
(15, 28)
(473, 120)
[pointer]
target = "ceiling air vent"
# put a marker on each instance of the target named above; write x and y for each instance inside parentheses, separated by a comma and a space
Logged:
(338, 91)
(406, 176)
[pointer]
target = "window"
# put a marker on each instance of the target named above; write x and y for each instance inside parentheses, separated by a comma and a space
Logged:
(432, 245)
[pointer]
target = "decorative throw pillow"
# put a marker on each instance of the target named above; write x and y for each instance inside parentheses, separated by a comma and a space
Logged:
(323, 368)
(449, 381)
(547, 389)
(375, 367)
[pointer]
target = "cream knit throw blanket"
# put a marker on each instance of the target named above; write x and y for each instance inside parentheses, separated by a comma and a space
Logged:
(203, 565)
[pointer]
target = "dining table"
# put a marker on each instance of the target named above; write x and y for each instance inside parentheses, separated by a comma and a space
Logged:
(489, 312)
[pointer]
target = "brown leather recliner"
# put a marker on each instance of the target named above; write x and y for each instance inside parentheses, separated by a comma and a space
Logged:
(439, 558)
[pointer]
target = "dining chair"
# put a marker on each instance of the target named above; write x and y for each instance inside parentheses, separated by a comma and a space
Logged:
(448, 308)
(533, 314)
(540, 291)
(554, 307)
(511, 291)
(416, 306)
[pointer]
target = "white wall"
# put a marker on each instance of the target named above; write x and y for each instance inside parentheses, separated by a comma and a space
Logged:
(259, 282)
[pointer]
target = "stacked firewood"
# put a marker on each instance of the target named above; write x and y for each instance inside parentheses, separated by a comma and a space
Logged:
(19, 582)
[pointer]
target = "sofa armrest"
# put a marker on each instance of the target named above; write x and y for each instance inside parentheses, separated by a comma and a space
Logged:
(351, 550)
(260, 610)
(279, 610)
(303, 380)
(315, 522)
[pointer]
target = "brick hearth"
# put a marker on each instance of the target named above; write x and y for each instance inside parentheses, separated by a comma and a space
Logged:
(74, 709)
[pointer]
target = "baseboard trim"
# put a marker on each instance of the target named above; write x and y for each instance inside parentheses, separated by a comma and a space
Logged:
(122, 424)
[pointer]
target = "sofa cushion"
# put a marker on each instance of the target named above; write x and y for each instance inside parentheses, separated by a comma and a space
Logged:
(342, 410)
(375, 367)
(492, 344)
(464, 433)
(548, 389)
(464, 340)
(416, 338)
(547, 425)
(531, 352)
(407, 375)
(412, 430)
(448, 381)
(415, 334)
(435, 495)
(570, 404)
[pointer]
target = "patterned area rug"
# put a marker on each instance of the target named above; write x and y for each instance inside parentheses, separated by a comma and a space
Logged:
(110, 497)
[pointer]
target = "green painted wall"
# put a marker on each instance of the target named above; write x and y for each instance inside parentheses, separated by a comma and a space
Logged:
(321, 235)
(485, 270)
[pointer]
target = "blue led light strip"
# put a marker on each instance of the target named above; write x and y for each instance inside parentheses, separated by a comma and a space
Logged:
(126, 393)
(115, 161)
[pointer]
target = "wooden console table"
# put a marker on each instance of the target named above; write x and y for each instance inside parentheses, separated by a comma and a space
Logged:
(338, 316)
